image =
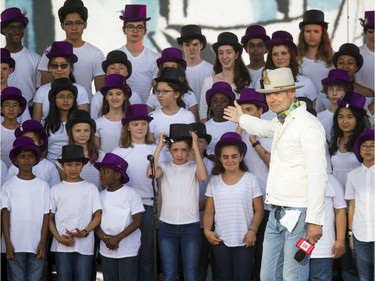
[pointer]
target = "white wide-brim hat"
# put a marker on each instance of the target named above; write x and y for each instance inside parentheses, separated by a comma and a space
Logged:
(278, 80)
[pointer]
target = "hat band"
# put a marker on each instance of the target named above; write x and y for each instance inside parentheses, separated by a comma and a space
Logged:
(285, 86)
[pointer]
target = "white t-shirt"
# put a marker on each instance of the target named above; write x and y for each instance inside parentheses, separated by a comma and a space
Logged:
(326, 118)
(360, 187)
(203, 187)
(189, 99)
(55, 143)
(45, 170)
(144, 70)
(216, 130)
(109, 133)
(233, 207)
(97, 103)
(342, 164)
(118, 208)
(28, 202)
(7, 139)
(180, 193)
(333, 200)
(88, 66)
(41, 96)
(196, 74)
(74, 204)
(26, 76)
(255, 75)
(365, 76)
(4, 170)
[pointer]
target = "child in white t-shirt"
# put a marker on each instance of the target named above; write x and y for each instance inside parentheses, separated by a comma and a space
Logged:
(75, 212)
(119, 228)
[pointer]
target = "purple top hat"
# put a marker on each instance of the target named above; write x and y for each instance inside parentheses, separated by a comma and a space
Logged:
(249, 95)
(281, 37)
(80, 116)
(73, 153)
(22, 144)
(353, 100)
(115, 81)
(62, 49)
(368, 21)
(200, 129)
(171, 55)
(134, 12)
(171, 75)
(313, 17)
(12, 15)
(364, 136)
(231, 138)
(337, 76)
(227, 38)
(254, 31)
(33, 126)
(117, 56)
(136, 112)
(73, 6)
(348, 49)
(59, 85)
(221, 87)
(192, 31)
(13, 93)
(116, 163)
(6, 58)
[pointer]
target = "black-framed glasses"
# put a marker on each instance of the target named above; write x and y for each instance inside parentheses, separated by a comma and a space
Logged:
(62, 65)
(163, 92)
(131, 27)
(365, 147)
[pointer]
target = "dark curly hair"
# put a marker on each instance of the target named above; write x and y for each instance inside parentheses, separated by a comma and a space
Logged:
(218, 167)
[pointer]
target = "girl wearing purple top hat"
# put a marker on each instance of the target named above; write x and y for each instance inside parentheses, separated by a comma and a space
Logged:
(61, 65)
(230, 222)
(172, 57)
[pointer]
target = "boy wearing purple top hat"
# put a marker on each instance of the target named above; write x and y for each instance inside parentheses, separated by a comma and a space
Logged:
(27, 77)
(143, 59)
(25, 209)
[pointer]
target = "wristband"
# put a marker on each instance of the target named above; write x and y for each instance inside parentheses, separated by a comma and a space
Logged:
(86, 232)
(350, 233)
(255, 144)
(253, 229)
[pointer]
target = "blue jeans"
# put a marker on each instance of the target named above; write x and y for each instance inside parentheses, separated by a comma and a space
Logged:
(321, 269)
(146, 252)
(364, 256)
(73, 266)
(25, 267)
(174, 237)
(124, 269)
(279, 248)
(233, 263)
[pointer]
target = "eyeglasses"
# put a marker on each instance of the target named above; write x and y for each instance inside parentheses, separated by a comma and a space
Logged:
(131, 27)
(76, 23)
(365, 147)
(163, 92)
(10, 105)
(62, 65)
(62, 97)
(14, 28)
(335, 90)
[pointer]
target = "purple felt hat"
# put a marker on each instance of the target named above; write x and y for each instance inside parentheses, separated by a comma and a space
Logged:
(191, 31)
(33, 126)
(117, 56)
(254, 31)
(200, 129)
(136, 112)
(348, 49)
(249, 95)
(13, 93)
(353, 100)
(281, 37)
(115, 81)
(12, 15)
(227, 38)
(368, 20)
(337, 76)
(221, 87)
(22, 144)
(171, 75)
(6, 58)
(134, 12)
(62, 49)
(171, 55)
(73, 6)
(231, 138)
(116, 163)
(364, 136)
(313, 17)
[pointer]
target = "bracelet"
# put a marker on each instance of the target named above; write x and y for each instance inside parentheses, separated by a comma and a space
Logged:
(86, 232)
(253, 228)
(350, 233)
(255, 144)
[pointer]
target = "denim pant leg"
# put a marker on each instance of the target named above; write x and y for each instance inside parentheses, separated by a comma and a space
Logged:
(110, 268)
(190, 241)
(146, 253)
(321, 269)
(364, 256)
(82, 265)
(128, 269)
(64, 266)
(168, 247)
(242, 262)
(224, 261)
(17, 267)
(204, 258)
(35, 267)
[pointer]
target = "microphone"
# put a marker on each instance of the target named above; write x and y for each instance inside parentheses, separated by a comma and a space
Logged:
(150, 158)
(305, 248)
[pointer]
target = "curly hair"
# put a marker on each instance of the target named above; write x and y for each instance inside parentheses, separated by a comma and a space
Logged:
(218, 167)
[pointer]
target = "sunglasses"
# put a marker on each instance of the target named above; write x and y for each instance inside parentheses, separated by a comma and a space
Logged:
(62, 66)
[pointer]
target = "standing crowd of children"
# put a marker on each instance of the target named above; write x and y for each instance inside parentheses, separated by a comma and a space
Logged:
(149, 170)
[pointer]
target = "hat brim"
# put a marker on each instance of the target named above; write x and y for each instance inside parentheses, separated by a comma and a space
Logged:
(126, 120)
(134, 19)
(201, 38)
(51, 55)
(321, 23)
(78, 159)
(174, 81)
(248, 37)
(231, 141)
(110, 61)
(29, 147)
(54, 91)
(279, 41)
(342, 103)
(162, 60)
(124, 88)
(335, 80)
(16, 97)
(237, 46)
(124, 175)
(267, 91)
(263, 105)
(70, 123)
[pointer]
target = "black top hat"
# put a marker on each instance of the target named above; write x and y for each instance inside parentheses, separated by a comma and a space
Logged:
(72, 153)
(59, 85)
(313, 17)
(191, 31)
(348, 49)
(80, 116)
(227, 38)
(117, 56)
(179, 131)
(73, 6)
(200, 130)
(171, 75)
